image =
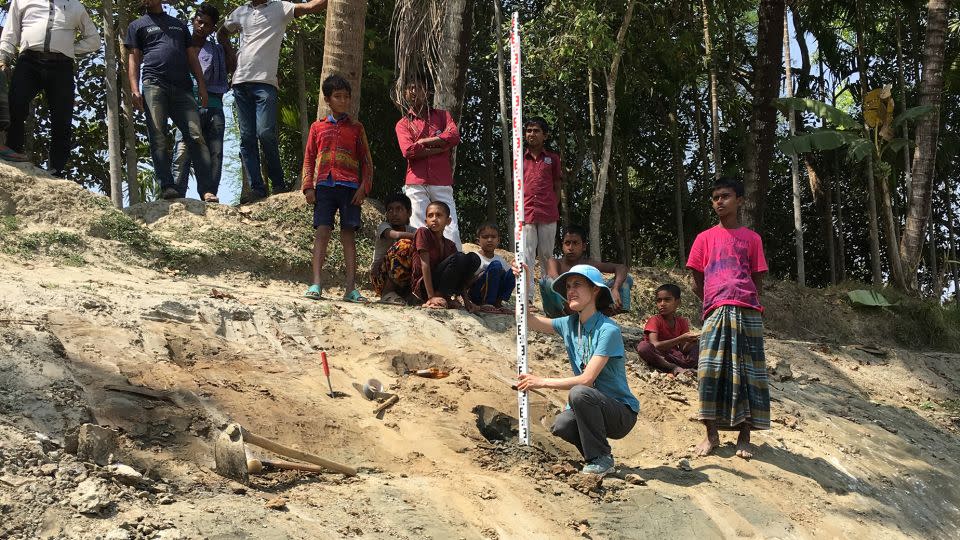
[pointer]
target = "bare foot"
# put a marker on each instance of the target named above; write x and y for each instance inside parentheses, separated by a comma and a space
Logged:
(743, 444)
(706, 446)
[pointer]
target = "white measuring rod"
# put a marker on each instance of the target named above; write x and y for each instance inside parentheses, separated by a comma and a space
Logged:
(519, 237)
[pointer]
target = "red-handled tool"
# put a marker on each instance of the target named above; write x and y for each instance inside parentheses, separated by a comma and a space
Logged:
(326, 370)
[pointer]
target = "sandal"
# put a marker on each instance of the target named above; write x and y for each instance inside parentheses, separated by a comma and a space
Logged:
(393, 299)
(210, 198)
(313, 292)
(355, 297)
(8, 154)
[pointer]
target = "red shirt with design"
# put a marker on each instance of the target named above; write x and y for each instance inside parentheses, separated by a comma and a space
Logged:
(541, 178)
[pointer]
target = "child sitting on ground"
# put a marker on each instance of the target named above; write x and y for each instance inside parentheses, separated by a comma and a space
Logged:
(727, 263)
(668, 344)
(495, 280)
(574, 249)
(393, 254)
(337, 176)
(440, 272)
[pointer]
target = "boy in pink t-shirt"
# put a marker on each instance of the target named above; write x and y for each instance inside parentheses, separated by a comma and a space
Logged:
(728, 265)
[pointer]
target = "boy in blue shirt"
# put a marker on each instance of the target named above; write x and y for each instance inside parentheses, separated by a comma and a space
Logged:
(601, 405)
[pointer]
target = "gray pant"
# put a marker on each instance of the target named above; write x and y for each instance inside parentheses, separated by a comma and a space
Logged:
(591, 419)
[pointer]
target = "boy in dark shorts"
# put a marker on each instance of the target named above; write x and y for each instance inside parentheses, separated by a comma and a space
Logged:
(668, 344)
(393, 254)
(337, 176)
(440, 272)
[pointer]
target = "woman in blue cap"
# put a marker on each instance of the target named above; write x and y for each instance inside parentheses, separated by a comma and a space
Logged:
(601, 405)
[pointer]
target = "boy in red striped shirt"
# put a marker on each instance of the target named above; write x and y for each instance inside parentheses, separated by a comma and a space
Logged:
(337, 176)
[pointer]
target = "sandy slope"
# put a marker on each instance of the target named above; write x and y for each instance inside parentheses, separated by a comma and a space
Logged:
(862, 446)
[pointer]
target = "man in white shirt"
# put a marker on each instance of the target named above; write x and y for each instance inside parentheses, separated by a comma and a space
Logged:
(45, 32)
(261, 24)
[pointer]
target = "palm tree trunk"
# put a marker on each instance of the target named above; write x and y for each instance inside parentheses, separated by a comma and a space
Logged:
(343, 46)
(794, 163)
(129, 127)
(504, 115)
(714, 101)
(301, 74)
(679, 183)
(596, 202)
(113, 104)
(455, 42)
(927, 132)
(763, 120)
(871, 185)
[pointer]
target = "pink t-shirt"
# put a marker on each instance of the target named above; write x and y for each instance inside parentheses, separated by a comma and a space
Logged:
(728, 259)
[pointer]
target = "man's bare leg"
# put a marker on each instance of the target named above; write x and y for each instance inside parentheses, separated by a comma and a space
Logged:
(743, 443)
(710, 442)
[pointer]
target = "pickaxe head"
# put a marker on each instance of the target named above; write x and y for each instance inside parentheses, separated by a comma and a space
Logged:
(230, 454)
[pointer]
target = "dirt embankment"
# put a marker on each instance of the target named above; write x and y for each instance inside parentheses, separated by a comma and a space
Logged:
(95, 302)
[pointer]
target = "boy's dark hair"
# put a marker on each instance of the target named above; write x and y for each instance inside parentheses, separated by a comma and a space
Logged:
(209, 10)
(398, 198)
(333, 83)
(727, 182)
(537, 121)
(669, 288)
(441, 204)
(488, 225)
(420, 79)
(577, 230)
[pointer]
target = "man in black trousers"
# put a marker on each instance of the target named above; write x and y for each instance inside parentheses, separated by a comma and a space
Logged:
(45, 34)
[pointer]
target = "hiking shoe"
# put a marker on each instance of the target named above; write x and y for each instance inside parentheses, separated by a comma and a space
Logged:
(252, 197)
(599, 465)
(169, 194)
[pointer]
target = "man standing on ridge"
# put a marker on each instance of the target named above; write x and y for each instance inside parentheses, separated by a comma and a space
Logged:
(46, 33)
(163, 45)
(261, 24)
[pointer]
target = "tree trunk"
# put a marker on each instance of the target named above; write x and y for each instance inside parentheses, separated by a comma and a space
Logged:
(701, 137)
(614, 206)
(343, 47)
(679, 183)
(875, 272)
(504, 115)
(301, 73)
(592, 122)
(113, 104)
(452, 76)
(823, 198)
(901, 82)
(714, 101)
(841, 241)
(491, 173)
(763, 119)
(952, 240)
(596, 202)
(927, 132)
(794, 164)
(568, 172)
(129, 125)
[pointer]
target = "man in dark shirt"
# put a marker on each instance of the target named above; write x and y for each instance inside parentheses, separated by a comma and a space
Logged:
(163, 46)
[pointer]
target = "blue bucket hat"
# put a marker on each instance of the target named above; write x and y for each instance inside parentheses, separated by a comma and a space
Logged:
(591, 274)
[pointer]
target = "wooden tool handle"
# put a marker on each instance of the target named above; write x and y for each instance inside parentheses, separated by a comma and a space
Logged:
(293, 453)
(386, 404)
(288, 466)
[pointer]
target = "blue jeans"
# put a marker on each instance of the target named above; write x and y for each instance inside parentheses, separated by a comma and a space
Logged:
(164, 101)
(212, 124)
(495, 284)
(256, 105)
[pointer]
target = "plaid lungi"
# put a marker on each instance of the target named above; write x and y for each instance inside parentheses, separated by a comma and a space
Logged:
(396, 266)
(733, 370)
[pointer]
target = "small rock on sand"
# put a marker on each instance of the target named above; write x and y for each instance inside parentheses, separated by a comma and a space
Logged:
(276, 503)
(586, 483)
(635, 480)
(90, 496)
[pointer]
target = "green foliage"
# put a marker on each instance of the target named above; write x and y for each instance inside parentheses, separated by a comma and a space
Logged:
(65, 247)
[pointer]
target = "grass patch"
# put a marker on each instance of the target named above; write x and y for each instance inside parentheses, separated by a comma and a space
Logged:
(65, 246)
(922, 324)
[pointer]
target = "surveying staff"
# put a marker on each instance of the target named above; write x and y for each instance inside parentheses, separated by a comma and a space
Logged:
(46, 33)
(601, 405)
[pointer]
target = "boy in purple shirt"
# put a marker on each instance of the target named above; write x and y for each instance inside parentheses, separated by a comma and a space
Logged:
(728, 265)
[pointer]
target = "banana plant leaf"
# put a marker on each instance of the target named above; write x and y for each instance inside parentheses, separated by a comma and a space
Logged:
(820, 140)
(912, 114)
(831, 114)
(862, 297)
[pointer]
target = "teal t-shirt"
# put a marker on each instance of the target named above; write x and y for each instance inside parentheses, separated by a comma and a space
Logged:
(599, 336)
